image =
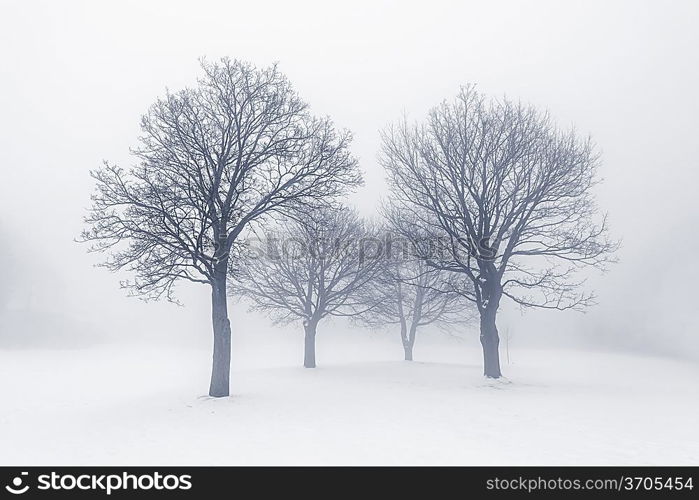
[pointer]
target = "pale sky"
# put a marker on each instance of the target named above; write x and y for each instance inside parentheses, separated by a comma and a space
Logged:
(76, 76)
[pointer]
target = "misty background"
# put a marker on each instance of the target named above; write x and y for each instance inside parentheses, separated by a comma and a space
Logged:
(77, 76)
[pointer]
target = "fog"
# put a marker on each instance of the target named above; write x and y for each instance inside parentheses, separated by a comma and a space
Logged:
(77, 76)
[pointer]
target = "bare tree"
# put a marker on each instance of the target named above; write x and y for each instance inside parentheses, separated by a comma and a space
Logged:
(215, 160)
(494, 191)
(411, 294)
(319, 266)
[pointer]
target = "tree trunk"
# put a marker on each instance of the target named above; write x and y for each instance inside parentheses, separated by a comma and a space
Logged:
(409, 342)
(221, 369)
(405, 340)
(490, 342)
(309, 351)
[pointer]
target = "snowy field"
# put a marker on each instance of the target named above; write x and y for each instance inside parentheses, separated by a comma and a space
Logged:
(129, 405)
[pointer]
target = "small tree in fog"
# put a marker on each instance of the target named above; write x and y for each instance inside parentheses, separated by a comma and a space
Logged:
(411, 294)
(319, 266)
(492, 190)
(234, 151)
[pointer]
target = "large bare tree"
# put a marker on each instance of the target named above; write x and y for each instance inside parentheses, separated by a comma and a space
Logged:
(235, 150)
(411, 294)
(491, 189)
(321, 265)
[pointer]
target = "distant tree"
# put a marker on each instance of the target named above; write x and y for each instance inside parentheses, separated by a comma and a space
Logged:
(411, 294)
(318, 266)
(216, 159)
(492, 190)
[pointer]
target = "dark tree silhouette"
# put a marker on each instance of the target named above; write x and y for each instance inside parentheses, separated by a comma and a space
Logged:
(232, 152)
(319, 266)
(494, 191)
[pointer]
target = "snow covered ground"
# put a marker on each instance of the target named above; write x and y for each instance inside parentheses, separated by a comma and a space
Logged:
(134, 405)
